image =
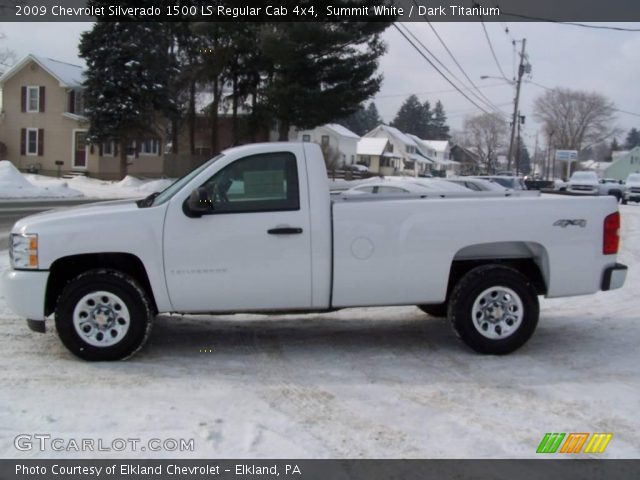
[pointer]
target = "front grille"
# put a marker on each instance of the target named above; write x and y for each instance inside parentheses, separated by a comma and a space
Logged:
(635, 190)
(582, 188)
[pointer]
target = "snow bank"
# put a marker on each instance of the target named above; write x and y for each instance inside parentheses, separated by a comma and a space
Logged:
(14, 185)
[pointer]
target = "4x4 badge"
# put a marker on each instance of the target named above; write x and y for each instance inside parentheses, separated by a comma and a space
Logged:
(578, 222)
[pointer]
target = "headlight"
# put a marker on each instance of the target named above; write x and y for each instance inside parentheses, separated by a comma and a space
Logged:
(23, 250)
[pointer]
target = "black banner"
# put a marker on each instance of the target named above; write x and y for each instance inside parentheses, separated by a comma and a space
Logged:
(320, 469)
(324, 10)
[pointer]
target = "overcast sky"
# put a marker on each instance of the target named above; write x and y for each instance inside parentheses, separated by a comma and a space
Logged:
(605, 61)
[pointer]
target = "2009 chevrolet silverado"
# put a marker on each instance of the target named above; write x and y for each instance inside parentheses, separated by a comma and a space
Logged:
(255, 229)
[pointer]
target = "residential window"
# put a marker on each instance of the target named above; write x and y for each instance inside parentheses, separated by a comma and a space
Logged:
(150, 147)
(385, 162)
(390, 149)
(258, 183)
(306, 138)
(78, 106)
(325, 140)
(108, 149)
(32, 141)
(33, 99)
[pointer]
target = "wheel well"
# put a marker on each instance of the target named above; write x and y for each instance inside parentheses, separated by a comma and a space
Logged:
(65, 269)
(526, 266)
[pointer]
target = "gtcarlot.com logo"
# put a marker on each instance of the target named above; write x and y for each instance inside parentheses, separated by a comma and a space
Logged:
(45, 443)
(573, 443)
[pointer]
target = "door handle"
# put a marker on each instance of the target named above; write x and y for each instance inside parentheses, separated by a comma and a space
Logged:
(284, 231)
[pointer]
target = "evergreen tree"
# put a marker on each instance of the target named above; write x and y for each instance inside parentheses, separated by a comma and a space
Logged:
(615, 146)
(427, 114)
(411, 118)
(633, 139)
(373, 118)
(127, 93)
(440, 127)
(319, 71)
(362, 120)
(523, 159)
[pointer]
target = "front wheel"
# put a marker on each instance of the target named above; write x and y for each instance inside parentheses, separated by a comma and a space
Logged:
(494, 309)
(103, 315)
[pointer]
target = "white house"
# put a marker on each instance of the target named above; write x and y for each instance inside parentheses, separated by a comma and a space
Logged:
(341, 139)
(376, 154)
(439, 151)
(403, 146)
(624, 164)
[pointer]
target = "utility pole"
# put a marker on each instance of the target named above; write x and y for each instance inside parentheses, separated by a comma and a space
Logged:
(521, 71)
(535, 161)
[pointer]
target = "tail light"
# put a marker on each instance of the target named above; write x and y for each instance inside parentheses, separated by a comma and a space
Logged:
(611, 238)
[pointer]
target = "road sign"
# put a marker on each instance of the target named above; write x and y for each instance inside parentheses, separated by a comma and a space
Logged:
(566, 155)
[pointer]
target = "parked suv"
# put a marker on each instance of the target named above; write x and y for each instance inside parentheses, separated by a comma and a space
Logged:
(632, 189)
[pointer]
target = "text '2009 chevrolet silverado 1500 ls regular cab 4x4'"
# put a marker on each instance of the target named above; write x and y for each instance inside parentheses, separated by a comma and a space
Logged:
(255, 230)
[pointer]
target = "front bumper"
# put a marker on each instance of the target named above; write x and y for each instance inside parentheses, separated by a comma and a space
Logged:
(614, 277)
(24, 291)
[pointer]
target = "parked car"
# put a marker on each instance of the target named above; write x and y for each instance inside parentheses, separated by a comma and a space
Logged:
(277, 242)
(512, 182)
(477, 184)
(587, 183)
(632, 189)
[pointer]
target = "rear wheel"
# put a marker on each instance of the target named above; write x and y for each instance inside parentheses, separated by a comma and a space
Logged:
(494, 309)
(435, 309)
(103, 315)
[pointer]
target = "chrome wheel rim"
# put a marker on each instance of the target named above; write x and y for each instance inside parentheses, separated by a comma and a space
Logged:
(101, 319)
(497, 312)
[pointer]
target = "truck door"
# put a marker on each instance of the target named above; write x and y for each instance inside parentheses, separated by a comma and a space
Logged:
(253, 251)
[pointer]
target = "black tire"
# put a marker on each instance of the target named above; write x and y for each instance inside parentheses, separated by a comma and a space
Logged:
(435, 309)
(116, 285)
(474, 286)
(624, 201)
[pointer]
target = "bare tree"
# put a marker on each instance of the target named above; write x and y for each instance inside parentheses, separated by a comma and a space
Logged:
(577, 119)
(485, 134)
(7, 56)
(331, 159)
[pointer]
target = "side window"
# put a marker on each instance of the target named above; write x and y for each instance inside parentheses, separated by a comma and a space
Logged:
(258, 183)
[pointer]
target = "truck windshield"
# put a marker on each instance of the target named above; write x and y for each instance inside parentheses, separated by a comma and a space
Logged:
(176, 186)
(634, 178)
(583, 176)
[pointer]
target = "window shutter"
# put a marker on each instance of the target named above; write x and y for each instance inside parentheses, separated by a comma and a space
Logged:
(41, 99)
(137, 149)
(159, 147)
(100, 149)
(115, 148)
(23, 141)
(91, 149)
(23, 100)
(40, 142)
(72, 101)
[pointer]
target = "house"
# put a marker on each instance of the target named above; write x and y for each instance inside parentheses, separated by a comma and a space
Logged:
(624, 164)
(342, 140)
(468, 160)
(403, 146)
(439, 154)
(42, 124)
(376, 154)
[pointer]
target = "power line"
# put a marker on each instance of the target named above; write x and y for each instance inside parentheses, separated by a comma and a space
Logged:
(575, 24)
(484, 97)
(493, 52)
(437, 69)
(447, 69)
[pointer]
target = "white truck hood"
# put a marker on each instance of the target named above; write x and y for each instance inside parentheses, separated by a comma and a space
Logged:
(37, 221)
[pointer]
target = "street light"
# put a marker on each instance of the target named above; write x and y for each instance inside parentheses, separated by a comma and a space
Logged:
(485, 77)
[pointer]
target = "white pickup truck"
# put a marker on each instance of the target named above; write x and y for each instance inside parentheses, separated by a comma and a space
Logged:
(255, 230)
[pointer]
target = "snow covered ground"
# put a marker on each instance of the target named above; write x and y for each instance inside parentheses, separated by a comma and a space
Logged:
(17, 186)
(363, 383)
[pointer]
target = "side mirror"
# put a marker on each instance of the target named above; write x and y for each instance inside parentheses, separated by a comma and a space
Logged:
(199, 203)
